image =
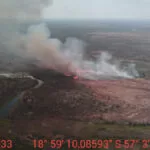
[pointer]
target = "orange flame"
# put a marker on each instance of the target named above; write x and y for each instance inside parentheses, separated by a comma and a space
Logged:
(75, 77)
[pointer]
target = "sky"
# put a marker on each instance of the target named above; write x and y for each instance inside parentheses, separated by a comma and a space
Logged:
(98, 9)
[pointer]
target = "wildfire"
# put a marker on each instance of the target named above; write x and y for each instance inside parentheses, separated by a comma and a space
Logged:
(75, 74)
(75, 77)
(78, 73)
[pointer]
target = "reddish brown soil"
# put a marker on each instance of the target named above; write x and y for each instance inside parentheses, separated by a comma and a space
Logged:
(132, 96)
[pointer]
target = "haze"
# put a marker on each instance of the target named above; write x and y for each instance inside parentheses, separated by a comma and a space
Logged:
(98, 9)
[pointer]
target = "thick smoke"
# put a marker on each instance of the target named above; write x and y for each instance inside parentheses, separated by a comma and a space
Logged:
(68, 57)
(12, 14)
(37, 44)
(22, 9)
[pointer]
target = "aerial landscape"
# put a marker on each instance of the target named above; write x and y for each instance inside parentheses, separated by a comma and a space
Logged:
(74, 79)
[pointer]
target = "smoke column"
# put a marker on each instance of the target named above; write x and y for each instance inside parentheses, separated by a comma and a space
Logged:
(52, 53)
(68, 56)
(22, 9)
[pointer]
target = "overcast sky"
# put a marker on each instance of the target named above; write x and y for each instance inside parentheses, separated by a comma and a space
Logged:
(98, 9)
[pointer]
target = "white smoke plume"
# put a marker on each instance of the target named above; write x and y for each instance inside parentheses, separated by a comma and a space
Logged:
(14, 12)
(22, 9)
(52, 53)
(68, 56)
